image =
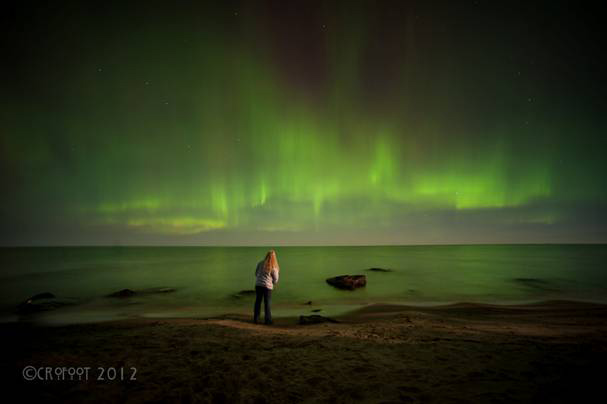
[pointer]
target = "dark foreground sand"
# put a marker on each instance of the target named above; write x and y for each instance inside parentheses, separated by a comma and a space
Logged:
(542, 353)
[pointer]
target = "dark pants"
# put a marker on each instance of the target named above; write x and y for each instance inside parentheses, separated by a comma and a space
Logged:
(265, 294)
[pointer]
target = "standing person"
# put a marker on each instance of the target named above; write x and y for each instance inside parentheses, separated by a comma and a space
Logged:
(266, 275)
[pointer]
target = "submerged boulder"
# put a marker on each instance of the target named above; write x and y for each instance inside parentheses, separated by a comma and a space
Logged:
(244, 293)
(247, 292)
(315, 319)
(349, 282)
(43, 295)
(379, 270)
(123, 293)
(150, 291)
(536, 283)
(42, 302)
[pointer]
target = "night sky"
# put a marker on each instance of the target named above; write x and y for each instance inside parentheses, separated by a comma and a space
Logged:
(302, 123)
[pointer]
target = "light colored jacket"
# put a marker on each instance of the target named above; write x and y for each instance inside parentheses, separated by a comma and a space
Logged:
(265, 279)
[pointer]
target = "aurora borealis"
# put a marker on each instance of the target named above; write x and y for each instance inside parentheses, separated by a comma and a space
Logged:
(303, 122)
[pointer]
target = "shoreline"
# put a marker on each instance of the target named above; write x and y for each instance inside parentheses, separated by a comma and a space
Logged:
(540, 352)
(358, 311)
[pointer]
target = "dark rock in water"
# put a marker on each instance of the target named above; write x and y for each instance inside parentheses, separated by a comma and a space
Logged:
(149, 291)
(129, 293)
(349, 282)
(536, 283)
(379, 270)
(44, 295)
(315, 319)
(530, 280)
(123, 293)
(244, 293)
(163, 290)
(42, 302)
(316, 310)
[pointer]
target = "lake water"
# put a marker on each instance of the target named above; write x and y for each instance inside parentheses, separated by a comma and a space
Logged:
(206, 278)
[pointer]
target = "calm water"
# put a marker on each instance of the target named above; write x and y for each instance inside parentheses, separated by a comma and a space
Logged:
(206, 278)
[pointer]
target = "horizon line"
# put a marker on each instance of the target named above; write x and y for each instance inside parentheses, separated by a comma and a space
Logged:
(290, 245)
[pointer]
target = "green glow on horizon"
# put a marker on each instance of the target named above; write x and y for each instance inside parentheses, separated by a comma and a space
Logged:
(175, 225)
(311, 170)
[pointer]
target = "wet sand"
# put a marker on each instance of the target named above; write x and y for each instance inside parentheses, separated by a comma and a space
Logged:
(545, 352)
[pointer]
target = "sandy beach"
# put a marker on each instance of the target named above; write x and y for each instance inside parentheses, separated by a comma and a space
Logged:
(545, 352)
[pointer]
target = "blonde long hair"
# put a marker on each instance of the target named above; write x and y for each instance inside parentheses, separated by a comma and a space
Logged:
(270, 262)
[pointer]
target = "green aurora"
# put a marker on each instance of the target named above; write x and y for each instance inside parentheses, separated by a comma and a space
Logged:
(309, 123)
